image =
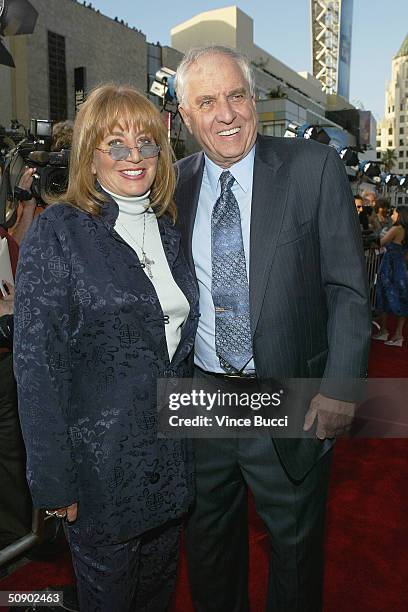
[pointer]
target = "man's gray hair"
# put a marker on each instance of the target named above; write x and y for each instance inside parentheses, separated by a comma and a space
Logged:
(194, 54)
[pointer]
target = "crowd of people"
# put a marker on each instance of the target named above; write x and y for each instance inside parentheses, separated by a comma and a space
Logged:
(386, 230)
(143, 270)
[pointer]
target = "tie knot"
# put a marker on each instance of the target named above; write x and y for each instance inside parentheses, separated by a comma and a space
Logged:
(226, 181)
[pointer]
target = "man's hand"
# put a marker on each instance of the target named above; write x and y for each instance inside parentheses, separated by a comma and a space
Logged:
(68, 512)
(7, 301)
(334, 417)
(27, 207)
(26, 179)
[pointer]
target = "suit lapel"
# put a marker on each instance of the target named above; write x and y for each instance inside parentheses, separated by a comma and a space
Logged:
(269, 196)
(187, 194)
(171, 244)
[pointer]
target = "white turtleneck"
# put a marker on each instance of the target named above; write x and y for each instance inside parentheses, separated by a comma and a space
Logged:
(130, 225)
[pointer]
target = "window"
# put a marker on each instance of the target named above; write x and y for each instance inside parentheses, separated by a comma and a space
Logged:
(390, 143)
(402, 118)
(378, 154)
(277, 128)
(401, 130)
(401, 107)
(399, 199)
(390, 130)
(57, 77)
(401, 142)
(378, 143)
(406, 165)
(400, 153)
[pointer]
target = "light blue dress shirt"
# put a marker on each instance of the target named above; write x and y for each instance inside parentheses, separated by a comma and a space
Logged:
(242, 171)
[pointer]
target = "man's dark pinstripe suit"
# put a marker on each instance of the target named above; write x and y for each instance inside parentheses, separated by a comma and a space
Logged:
(310, 317)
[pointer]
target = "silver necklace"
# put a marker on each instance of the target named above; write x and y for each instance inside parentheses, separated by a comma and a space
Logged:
(145, 261)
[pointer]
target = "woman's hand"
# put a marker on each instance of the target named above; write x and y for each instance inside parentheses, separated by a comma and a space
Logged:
(7, 301)
(68, 512)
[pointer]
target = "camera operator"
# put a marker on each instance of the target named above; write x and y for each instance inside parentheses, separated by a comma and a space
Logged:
(62, 135)
(27, 208)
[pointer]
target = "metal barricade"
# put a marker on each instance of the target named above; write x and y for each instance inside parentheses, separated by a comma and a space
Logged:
(373, 258)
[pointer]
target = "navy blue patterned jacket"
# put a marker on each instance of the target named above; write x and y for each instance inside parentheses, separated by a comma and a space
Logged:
(89, 345)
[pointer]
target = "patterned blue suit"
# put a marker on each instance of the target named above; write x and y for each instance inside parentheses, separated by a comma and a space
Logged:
(89, 346)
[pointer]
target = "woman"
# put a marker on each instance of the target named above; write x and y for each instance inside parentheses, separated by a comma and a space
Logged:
(392, 282)
(104, 306)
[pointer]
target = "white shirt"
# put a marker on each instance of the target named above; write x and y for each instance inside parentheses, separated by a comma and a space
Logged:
(130, 226)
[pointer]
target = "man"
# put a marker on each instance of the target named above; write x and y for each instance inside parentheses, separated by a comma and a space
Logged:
(287, 297)
(370, 198)
(359, 202)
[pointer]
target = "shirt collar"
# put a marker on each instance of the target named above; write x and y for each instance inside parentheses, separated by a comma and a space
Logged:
(242, 171)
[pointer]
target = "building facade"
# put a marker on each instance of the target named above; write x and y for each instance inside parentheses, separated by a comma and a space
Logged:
(283, 95)
(331, 29)
(63, 58)
(392, 130)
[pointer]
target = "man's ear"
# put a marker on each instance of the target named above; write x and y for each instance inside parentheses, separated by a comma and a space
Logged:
(186, 118)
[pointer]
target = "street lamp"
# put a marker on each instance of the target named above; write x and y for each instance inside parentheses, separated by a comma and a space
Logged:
(349, 157)
(392, 180)
(371, 170)
(307, 131)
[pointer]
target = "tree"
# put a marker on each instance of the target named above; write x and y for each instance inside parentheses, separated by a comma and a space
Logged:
(277, 93)
(388, 159)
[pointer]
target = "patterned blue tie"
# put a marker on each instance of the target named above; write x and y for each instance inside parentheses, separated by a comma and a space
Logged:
(230, 291)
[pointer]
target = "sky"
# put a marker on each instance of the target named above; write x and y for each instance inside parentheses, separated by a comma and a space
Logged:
(282, 28)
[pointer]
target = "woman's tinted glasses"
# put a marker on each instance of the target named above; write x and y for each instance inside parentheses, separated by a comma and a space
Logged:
(120, 152)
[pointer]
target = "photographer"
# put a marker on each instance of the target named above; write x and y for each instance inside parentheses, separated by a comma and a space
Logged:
(383, 213)
(15, 499)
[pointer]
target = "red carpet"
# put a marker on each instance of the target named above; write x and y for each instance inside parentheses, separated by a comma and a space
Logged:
(367, 527)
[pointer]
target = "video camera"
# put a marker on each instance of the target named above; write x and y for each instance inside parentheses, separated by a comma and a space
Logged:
(33, 149)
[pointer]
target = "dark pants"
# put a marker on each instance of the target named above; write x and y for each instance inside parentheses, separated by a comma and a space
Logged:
(217, 529)
(134, 576)
(15, 499)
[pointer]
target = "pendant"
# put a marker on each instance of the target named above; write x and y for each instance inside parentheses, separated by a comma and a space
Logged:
(147, 263)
